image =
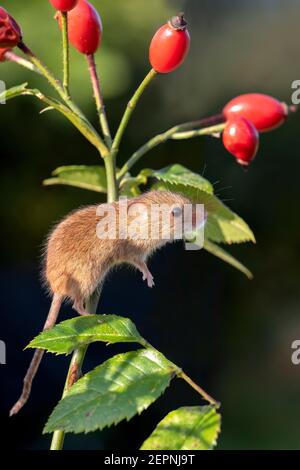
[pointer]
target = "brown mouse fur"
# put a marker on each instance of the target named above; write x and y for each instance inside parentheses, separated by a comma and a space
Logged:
(77, 261)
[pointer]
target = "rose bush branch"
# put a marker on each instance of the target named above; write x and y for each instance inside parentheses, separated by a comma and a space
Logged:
(78, 357)
(240, 123)
(182, 375)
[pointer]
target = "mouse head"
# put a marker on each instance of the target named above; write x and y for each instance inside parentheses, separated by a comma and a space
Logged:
(151, 219)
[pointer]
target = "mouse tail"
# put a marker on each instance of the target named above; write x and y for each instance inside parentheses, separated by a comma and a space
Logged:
(38, 355)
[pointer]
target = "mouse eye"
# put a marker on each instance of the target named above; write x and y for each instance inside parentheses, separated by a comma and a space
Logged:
(177, 212)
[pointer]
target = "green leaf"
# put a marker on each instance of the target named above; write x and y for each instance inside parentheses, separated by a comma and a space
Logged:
(188, 428)
(71, 334)
(92, 178)
(178, 174)
(118, 389)
(216, 250)
(223, 225)
(13, 92)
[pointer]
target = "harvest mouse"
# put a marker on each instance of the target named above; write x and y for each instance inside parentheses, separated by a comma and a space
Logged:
(87, 243)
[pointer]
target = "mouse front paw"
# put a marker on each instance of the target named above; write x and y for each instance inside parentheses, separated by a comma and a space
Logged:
(147, 276)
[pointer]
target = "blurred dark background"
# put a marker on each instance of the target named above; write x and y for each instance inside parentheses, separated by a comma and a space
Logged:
(233, 336)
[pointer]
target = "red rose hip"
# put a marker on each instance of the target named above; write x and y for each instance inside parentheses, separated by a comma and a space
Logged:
(85, 27)
(64, 5)
(170, 45)
(265, 112)
(10, 31)
(241, 139)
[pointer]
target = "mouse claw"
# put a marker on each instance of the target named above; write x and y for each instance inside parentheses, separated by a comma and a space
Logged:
(150, 281)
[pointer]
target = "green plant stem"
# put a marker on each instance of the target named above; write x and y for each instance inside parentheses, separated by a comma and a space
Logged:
(162, 138)
(72, 377)
(112, 187)
(129, 111)
(12, 57)
(65, 47)
(182, 375)
(214, 130)
(98, 99)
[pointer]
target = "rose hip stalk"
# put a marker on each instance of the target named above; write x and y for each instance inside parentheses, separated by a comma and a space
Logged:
(64, 6)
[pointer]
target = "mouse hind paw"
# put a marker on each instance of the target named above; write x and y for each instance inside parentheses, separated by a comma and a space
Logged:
(78, 306)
